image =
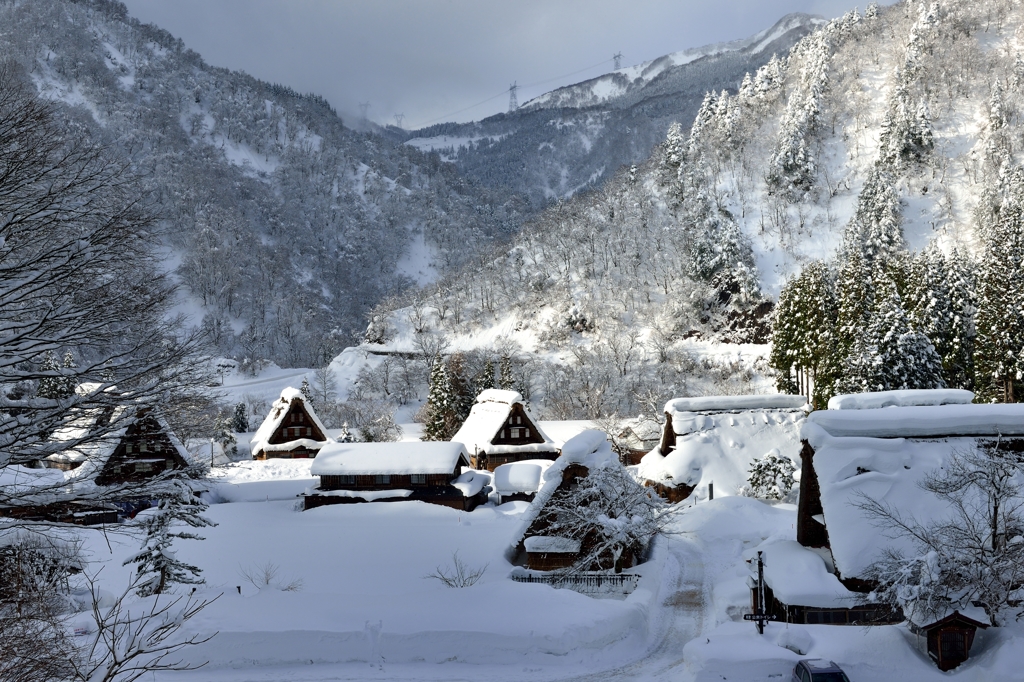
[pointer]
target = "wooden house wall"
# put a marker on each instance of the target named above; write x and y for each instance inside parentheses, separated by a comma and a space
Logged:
(296, 424)
(518, 429)
(809, 532)
(144, 451)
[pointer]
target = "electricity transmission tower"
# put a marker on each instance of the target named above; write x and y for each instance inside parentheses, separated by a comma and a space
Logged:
(364, 107)
(398, 119)
(513, 101)
(618, 60)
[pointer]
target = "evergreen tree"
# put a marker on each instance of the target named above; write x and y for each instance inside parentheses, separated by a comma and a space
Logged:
(240, 421)
(890, 355)
(157, 561)
(507, 379)
(803, 334)
(1000, 320)
(57, 387)
(345, 436)
(307, 392)
(443, 404)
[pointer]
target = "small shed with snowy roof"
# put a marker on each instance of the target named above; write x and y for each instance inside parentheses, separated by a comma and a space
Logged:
(716, 438)
(366, 472)
(500, 429)
(291, 429)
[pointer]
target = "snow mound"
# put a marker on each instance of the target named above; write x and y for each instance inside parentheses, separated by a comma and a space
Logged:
(366, 459)
(917, 422)
(904, 398)
(520, 477)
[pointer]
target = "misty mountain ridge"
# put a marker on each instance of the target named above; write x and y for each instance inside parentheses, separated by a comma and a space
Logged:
(576, 137)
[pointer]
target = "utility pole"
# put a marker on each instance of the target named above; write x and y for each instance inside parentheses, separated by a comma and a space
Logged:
(618, 60)
(398, 119)
(513, 101)
(364, 107)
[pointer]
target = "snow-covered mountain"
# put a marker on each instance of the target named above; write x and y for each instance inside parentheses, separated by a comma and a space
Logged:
(284, 225)
(903, 122)
(576, 137)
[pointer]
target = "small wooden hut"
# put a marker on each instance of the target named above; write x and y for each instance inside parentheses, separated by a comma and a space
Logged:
(291, 430)
(500, 429)
(948, 641)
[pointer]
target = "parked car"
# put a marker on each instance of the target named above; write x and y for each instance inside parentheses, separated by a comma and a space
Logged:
(818, 670)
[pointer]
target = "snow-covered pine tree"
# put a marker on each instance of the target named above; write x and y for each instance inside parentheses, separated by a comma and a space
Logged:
(307, 391)
(936, 292)
(507, 378)
(345, 436)
(55, 386)
(889, 354)
(442, 405)
(999, 343)
(803, 334)
(157, 561)
(240, 420)
(771, 477)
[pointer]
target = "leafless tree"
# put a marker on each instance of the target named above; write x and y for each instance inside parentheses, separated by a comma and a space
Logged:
(129, 640)
(458, 574)
(975, 554)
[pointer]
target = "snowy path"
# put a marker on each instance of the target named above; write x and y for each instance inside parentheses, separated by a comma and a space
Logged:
(682, 619)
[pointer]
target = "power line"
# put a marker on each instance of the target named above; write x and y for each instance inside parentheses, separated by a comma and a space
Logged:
(506, 92)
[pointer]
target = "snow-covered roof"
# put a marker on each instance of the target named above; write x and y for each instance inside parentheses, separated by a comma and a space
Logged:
(903, 398)
(520, 477)
(919, 421)
(260, 439)
(367, 459)
(590, 449)
(733, 403)
(798, 575)
(720, 447)
(883, 454)
(888, 470)
(488, 416)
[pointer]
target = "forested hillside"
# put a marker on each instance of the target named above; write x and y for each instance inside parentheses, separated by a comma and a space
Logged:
(284, 225)
(576, 137)
(882, 154)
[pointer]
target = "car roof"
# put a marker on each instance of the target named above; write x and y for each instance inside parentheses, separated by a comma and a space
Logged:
(821, 665)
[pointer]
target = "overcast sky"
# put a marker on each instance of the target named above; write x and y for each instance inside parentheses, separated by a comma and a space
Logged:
(439, 60)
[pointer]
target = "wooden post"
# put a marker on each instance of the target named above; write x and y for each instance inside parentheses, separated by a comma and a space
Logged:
(760, 593)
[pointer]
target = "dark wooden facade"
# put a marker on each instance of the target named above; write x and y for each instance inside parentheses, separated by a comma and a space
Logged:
(517, 430)
(550, 561)
(297, 424)
(673, 494)
(432, 488)
(859, 614)
(145, 451)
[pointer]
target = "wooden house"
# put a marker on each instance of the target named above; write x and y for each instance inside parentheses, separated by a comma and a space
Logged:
(291, 430)
(142, 448)
(863, 451)
(638, 437)
(500, 429)
(711, 429)
(389, 472)
(534, 547)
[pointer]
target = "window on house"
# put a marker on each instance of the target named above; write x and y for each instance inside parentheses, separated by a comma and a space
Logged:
(527, 432)
(141, 467)
(519, 420)
(347, 480)
(418, 479)
(309, 431)
(503, 433)
(382, 478)
(515, 432)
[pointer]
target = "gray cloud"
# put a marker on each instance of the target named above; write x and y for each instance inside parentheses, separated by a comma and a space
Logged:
(431, 58)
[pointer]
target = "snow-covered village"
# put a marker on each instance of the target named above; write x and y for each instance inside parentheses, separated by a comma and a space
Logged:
(325, 357)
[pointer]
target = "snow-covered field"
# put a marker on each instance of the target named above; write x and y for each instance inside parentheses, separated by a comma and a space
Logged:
(362, 608)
